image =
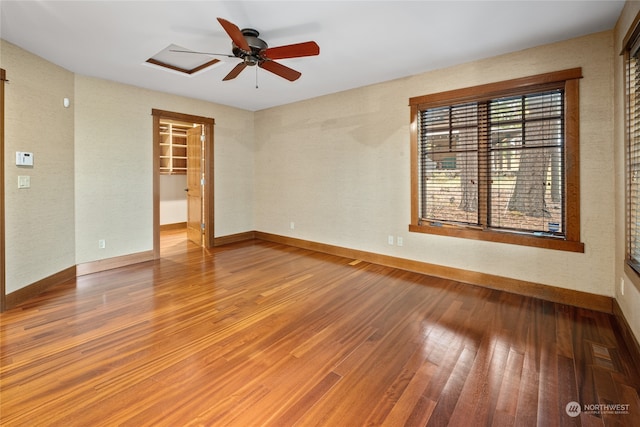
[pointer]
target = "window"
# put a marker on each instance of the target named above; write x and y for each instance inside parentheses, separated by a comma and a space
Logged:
(499, 162)
(632, 77)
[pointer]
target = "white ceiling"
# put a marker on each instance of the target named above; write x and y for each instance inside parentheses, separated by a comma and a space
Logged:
(361, 42)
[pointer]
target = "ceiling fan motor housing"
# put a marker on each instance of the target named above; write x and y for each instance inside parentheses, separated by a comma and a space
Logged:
(252, 50)
(256, 44)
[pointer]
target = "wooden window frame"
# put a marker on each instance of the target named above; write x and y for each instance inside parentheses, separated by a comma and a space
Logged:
(568, 80)
(630, 42)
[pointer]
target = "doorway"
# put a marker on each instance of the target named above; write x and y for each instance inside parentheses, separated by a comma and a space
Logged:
(192, 157)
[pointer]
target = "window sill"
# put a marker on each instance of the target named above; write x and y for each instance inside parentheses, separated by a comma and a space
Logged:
(500, 237)
(632, 274)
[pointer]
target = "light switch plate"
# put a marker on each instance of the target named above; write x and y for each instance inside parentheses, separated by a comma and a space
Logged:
(24, 181)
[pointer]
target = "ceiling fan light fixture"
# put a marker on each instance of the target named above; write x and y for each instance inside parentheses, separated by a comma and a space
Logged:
(251, 60)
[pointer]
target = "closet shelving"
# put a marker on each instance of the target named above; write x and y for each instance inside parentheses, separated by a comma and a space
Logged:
(173, 147)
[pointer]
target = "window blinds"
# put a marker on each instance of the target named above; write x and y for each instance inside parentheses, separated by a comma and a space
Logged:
(633, 158)
(449, 166)
(495, 164)
(526, 163)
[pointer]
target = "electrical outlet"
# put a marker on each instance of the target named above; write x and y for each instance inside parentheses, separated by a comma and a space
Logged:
(390, 240)
(101, 244)
(399, 241)
(292, 225)
(622, 286)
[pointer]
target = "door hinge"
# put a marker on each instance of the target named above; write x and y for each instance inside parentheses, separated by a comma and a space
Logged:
(201, 138)
(201, 181)
(202, 225)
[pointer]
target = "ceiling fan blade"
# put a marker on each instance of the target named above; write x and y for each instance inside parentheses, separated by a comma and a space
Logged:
(202, 53)
(293, 50)
(235, 34)
(236, 70)
(280, 70)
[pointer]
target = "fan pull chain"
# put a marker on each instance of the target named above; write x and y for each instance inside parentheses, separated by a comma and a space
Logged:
(256, 77)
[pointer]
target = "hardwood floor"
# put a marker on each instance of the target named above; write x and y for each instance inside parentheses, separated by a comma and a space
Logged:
(258, 333)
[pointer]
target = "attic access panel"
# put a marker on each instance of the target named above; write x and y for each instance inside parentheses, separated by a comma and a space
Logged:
(179, 61)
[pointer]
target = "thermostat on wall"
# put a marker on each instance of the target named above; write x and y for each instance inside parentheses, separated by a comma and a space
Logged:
(24, 158)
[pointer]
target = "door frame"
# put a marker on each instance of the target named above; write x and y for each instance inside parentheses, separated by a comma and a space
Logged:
(3, 79)
(208, 200)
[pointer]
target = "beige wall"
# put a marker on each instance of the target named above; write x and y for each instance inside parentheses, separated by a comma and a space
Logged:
(630, 301)
(338, 167)
(113, 150)
(40, 220)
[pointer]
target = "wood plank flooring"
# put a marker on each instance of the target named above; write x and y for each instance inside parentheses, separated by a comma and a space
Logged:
(261, 334)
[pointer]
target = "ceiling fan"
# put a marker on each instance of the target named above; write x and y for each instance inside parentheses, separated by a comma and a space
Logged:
(253, 51)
